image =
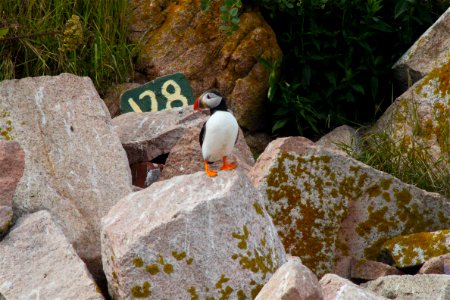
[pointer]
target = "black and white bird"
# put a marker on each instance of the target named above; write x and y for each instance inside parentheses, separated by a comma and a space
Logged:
(219, 134)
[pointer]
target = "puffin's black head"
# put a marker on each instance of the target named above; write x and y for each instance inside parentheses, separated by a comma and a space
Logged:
(211, 99)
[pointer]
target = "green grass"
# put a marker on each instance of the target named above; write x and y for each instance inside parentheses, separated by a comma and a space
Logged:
(45, 38)
(411, 164)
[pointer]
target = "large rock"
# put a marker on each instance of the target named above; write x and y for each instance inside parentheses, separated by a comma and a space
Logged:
(12, 162)
(431, 50)
(292, 281)
(328, 206)
(417, 123)
(75, 166)
(186, 155)
(414, 249)
(38, 262)
(338, 288)
(148, 135)
(408, 287)
(180, 37)
(191, 236)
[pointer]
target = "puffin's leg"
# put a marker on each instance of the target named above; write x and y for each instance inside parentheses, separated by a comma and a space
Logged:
(226, 166)
(210, 173)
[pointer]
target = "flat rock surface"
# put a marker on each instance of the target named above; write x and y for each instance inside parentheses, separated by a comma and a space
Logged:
(75, 166)
(328, 206)
(408, 287)
(38, 262)
(292, 281)
(148, 135)
(191, 236)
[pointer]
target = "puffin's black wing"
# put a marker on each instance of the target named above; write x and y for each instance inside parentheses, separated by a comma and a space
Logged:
(202, 134)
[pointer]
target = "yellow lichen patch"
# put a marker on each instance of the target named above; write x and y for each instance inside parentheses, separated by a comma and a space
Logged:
(386, 183)
(138, 262)
(241, 295)
(416, 248)
(242, 237)
(307, 234)
(168, 268)
(193, 292)
(179, 256)
(141, 291)
(442, 76)
(6, 129)
(221, 281)
(258, 208)
(152, 269)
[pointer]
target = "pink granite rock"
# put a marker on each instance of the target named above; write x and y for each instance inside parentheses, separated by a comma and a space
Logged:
(328, 206)
(417, 287)
(12, 162)
(191, 236)
(435, 265)
(337, 288)
(148, 135)
(430, 51)
(38, 262)
(370, 270)
(75, 166)
(292, 281)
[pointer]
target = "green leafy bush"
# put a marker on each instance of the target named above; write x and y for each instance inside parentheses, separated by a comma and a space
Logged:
(338, 57)
(87, 38)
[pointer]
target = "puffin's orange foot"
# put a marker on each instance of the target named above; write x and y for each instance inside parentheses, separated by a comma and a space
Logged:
(226, 166)
(210, 173)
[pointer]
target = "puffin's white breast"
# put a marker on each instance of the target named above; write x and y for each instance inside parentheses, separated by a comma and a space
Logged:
(221, 131)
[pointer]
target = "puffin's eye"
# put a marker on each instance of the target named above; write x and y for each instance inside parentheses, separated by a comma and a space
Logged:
(208, 96)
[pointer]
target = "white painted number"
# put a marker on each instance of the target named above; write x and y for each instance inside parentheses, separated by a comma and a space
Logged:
(176, 95)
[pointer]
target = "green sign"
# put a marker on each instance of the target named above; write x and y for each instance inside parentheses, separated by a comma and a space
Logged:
(162, 93)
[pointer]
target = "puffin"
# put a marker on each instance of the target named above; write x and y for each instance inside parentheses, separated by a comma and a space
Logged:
(219, 133)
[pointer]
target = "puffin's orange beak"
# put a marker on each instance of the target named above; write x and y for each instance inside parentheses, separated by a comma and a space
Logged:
(197, 104)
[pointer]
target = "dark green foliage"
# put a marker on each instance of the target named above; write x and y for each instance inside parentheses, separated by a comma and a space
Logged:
(338, 57)
(86, 38)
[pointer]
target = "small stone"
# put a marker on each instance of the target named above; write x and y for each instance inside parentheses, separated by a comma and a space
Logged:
(145, 173)
(370, 270)
(414, 249)
(435, 265)
(292, 281)
(335, 288)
